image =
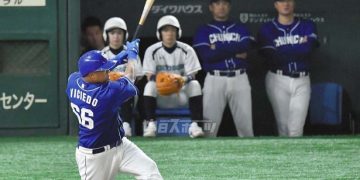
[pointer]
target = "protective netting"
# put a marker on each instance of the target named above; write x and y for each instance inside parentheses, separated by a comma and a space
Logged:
(24, 57)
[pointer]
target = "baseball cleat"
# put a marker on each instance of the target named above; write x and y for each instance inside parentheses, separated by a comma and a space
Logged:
(195, 131)
(150, 130)
(127, 129)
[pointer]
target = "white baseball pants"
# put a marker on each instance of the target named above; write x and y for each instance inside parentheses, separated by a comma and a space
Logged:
(125, 158)
(290, 99)
(220, 90)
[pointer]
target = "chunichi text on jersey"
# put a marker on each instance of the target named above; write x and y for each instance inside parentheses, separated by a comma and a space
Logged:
(290, 40)
(224, 37)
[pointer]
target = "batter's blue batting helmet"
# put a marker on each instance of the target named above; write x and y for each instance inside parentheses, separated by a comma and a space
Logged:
(94, 61)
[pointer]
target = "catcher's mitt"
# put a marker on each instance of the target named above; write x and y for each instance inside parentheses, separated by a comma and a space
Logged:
(113, 76)
(168, 83)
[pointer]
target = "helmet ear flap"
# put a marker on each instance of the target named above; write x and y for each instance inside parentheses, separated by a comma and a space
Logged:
(158, 34)
(179, 33)
(105, 36)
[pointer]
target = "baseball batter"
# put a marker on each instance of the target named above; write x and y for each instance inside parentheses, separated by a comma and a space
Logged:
(115, 34)
(102, 150)
(170, 55)
(287, 43)
(222, 46)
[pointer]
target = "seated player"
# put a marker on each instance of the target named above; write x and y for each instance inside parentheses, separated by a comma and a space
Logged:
(180, 61)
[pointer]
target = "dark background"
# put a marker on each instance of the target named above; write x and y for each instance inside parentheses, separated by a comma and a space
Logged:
(337, 60)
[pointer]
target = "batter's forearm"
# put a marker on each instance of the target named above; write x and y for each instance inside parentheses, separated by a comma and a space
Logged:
(130, 70)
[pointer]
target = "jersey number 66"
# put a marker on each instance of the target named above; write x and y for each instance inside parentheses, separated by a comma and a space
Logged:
(84, 116)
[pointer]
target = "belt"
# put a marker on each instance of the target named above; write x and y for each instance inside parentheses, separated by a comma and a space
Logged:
(227, 73)
(291, 74)
(100, 149)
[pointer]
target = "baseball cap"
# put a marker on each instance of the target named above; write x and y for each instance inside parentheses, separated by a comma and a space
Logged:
(214, 1)
(93, 61)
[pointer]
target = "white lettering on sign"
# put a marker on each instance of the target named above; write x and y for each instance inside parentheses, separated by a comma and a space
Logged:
(12, 102)
(22, 3)
(177, 9)
(254, 18)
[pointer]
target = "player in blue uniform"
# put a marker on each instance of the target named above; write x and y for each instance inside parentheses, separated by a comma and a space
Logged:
(222, 46)
(287, 42)
(102, 150)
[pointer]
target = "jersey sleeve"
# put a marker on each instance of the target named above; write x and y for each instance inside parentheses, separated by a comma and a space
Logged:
(72, 78)
(264, 40)
(191, 63)
(124, 89)
(201, 38)
(247, 41)
(266, 46)
(312, 34)
(212, 53)
(149, 65)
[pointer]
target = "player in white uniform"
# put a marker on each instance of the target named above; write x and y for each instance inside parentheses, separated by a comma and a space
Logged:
(173, 56)
(115, 34)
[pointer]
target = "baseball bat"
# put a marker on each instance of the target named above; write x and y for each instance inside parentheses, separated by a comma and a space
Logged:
(145, 13)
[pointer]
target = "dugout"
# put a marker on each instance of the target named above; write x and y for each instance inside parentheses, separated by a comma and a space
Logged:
(335, 61)
(39, 46)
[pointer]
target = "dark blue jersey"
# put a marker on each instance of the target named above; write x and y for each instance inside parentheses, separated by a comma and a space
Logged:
(96, 108)
(217, 44)
(288, 47)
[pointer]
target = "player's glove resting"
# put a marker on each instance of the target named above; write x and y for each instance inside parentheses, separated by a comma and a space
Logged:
(133, 49)
(168, 83)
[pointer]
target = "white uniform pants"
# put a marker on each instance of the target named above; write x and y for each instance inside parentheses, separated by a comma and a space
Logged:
(290, 99)
(126, 158)
(220, 90)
